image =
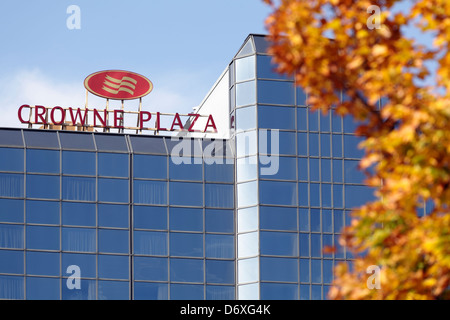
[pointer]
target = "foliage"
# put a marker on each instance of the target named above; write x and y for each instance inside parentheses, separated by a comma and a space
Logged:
(329, 47)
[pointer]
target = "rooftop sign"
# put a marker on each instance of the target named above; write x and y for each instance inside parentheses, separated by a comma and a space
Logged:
(118, 85)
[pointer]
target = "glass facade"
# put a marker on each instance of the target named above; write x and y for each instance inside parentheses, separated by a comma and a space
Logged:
(121, 216)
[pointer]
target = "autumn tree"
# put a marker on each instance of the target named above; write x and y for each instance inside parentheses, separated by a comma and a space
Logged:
(360, 47)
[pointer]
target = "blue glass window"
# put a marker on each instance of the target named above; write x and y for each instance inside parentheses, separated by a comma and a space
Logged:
(304, 292)
(186, 193)
(301, 97)
(186, 219)
(351, 149)
(302, 119)
(186, 244)
(313, 120)
(314, 169)
(113, 267)
(304, 270)
(12, 286)
(44, 187)
(78, 214)
(150, 192)
(42, 161)
(279, 269)
(219, 292)
(314, 144)
(316, 292)
(113, 165)
(148, 144)
(303, 216)
(77, 141)
(327, 221)
(186, 270)
(276, 118)
(304, 244)
(151, 291)
(113, 290)
(326, 195)
(111, 142)
(186, 292)
(150, 167)
(303, 169)
(303, 194)
(150, 269)
(220, 271)
(273, 192)
(338, 220)
(146, 217)
(87, 291)
(11, 210)
(10, 137)
(326, 170)
(12, 236)
(248, 270)
(276, 142)
(78, 188)
(356, 196)
(286, 169)
(325, 145)
(336, 123)
(41, 139)
(188, 169)
(86, 262)
(338, 195)
(352, 173)
(266, 69)
(245, 68)
(245, 93)
(247, 219)
(350, 124)
(315, 220)
(276, 92)
(113, 190)
(337, 145)
(218, 172)
(11, 262)
(246, 143)
(11, 185)
(327, 271)
(247, 194)
(246, 169)
(220, 246)
(314, 194)
(150, 243)
(43, 263)
(217, 220)
(337, 170)
(11, 159)
(316, 271)
(43, 288)
(278, 291)
(278, 218)
(219, 195)
(113, 216)
(327, 241)
(316, 245)
(246, 118)
(278, 243)
(113, 241)
(79, 239)
(71, 163)
(43, 238)
(325, 121)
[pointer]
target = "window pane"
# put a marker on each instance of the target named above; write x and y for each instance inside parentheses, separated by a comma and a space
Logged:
(314, 144)
(304, 292)
(11, 236)
(218, 172)
(11, 159)
(356, 196)
(186, 169)
(313, 120)
(314, 194)
(303, 215)
(86, 262)
(42, 161)
(150, 192)
(316, 245)
(219, 292)
(151, 291)
(72, 159)
(303, 169)
(267, 69)
(78, 188)
(248, 270)
(246, 118)
(303, 194)
(43, 288)
(304, 270)
(11, 262)
(113, 290)
(315, 220)
(106, 142)
(302, 143)
(245, 68)
(279, 269)
(327, 271)
(11, 137)
(11, 210)
(146, 144)
(113, 190)
(186, 292)
(326, 195)
(150, 269)
(316, 271)
(314, 171)
(337, 171)
(146, 217)
(150, 243)
(351, 149)
(220, 271)
(87, 291)
(78, 141)
(219, 246)
(337, 145)
(245, 93)
(283, 193)
(41, 139)
(78, 214)
(338, 220)
(150, 167)
(113, 216)
(338, 195)
(325, 145)
(277, 291)
(246, 169)
(278, 243)
(79, 239)
(113, 267)
(248, 245)
(113, 241)
(11, 185)
(43, 263)
(43, 238)
(326, 170)
(284, 170)
(272, 117)
(185, 193)
(327, 221)
(276, 142)
(278, 218)
(186, 219)
(113, 165)
(324, 121)
(276, 92)
(302, 119)
(217, 220)
(219, 195)
(352, 173)
(247, 194)
(248, 219)
(304, 244)
(186, 245)
(246, 143)
(36, 189)
(186, 270)
(336, 123)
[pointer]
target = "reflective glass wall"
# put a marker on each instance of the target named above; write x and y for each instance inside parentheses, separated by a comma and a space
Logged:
(116, 211)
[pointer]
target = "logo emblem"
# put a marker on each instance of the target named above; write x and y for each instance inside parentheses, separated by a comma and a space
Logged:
(118, 85)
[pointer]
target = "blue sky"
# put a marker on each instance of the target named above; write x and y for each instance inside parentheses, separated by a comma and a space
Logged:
(181, 46)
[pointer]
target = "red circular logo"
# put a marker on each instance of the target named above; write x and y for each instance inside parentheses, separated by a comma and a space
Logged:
(118, 85)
